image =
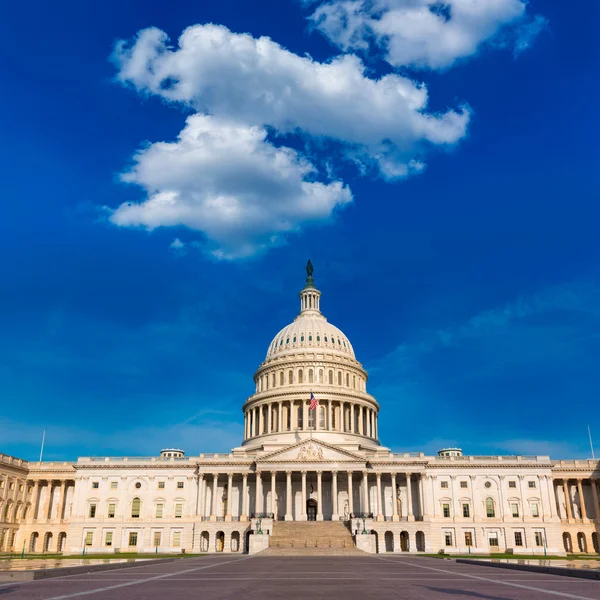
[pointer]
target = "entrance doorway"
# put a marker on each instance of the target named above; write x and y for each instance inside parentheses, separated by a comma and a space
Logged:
(311, 510)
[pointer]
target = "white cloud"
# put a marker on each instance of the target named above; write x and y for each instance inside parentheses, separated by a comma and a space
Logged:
(257, 82)
(426, 33)
(224, 179)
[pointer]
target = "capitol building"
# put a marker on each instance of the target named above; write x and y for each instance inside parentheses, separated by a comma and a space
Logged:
(310, 475)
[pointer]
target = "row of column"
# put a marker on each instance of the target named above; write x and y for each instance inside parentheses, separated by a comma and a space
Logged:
(357, 418)
(259, 495)
(353, 381)
(43, 513)
(569, 501)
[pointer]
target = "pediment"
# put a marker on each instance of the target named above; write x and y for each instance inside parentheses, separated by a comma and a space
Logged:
(311, 451)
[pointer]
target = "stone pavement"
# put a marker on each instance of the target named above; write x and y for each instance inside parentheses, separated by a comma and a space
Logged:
(349, 578)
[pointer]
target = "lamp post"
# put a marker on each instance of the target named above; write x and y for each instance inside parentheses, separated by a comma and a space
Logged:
(23, 551)
(364, 531)
(259, 525)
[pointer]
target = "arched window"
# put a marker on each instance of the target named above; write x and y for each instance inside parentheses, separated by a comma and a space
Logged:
(267, 381)
(300, 419)
(310, 376)
(290, 377)
(273, 380)
(489, 508)
(135, 508)
(347, 380)
(281, 378)
(321, 417)
(339, 378)
(330, 377)
(300, 376)
(354, 381)
(320, 375)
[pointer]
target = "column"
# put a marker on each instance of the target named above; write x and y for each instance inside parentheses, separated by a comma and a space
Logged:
(213, 512)
(46, 508)
(319, 496)
(273, 474)
(255, 430)
(568, 502)
(304, 415)
(61, 502)
(409, 506)
(245, 425)
(350, 494)
(329, 427)
(426, 504)
(244, 516)
(379, 511)
(200, 499)
(258, 495)
(229, 495)
(280, 417)
(365, 507)
(595, 496)
(261, 420)
(581, 500)
(34, 500)
(303, 511)
(334, 496)
(376, 426)
(342, 423)
(288, 496)
(395, 516)
(360, 420)
(551, 494)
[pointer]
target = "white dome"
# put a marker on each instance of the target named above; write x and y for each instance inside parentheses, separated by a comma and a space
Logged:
(309, 331)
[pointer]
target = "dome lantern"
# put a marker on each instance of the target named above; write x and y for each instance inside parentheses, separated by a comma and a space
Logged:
(310, 296)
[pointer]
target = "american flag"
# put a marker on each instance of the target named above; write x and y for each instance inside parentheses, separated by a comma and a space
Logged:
(313, 402)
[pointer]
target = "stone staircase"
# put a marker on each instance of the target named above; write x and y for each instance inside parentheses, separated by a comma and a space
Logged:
(295, 538)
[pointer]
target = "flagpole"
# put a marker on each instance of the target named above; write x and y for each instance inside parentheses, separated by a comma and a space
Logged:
(42, 448)
(591, 444)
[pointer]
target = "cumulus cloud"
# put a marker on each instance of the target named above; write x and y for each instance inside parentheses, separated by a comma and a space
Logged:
(229, 174)
(226, 180)
(426, 33)
(257, 82)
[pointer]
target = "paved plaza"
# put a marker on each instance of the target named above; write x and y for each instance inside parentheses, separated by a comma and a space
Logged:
(347, 578)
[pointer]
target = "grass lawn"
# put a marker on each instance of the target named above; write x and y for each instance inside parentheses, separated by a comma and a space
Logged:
(519, 556)
(100, 556)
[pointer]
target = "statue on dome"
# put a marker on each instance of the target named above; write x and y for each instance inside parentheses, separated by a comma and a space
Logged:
(309, 268)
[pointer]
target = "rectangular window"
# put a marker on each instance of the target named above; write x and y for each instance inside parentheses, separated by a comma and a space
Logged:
(535, 510)
(157, 539)
(12, 486)
(111, 511)
(180, 485)
(89, 538)
(161, 485)
(21, 488)
(113, 485)
(464, 484)
(446, 509)
(444, 484)
(532, 484)
(518, 538)
(108, 538)
(92, 512)
(514, 507)
(448, 538)
(493, 540)
(466, 510)
(176, 539)
(512, 484)
(178, 511)
(1, 485)
(468, 538)
(159, 511)
(539, 539)
(95, 485)
(133, 538)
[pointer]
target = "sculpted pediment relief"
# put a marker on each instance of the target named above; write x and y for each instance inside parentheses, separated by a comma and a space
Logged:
(312, 450)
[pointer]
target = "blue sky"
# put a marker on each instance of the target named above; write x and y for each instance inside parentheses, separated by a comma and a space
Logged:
(440, 168)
